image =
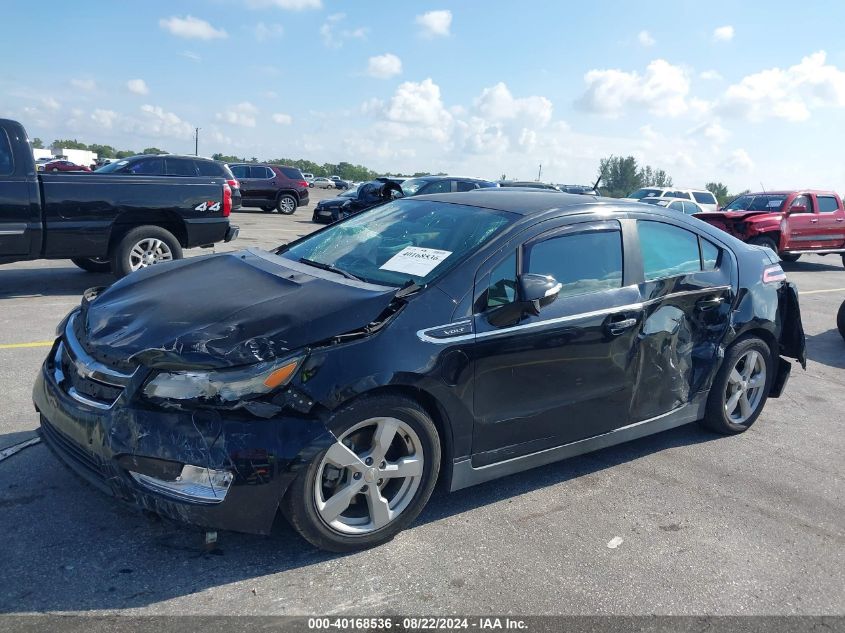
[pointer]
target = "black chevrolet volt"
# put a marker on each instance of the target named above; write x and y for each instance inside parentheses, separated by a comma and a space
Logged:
(457, 337)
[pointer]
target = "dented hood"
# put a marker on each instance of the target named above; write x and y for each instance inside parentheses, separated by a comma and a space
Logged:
(733, 216)
(224, 310)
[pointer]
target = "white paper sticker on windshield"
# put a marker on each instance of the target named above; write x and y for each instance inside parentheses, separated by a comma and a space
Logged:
(775, 203)
(415, 260)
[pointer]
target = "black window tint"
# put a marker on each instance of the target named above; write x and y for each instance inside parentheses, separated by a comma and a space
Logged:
(259, 171)
(180, 167)
(704, 198)
(465, 185)
(582, 262)
(240, 171)
(210, 168)
(293, 174)
(827, 204)
(147, 167)
(502, 289)
(440, 186)
(7, 164)
(667, 250)
(709, 255)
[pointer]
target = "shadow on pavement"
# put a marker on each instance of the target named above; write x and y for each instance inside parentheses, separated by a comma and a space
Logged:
(48, 282)
(70, 548)
(827, 348)
(834, 263)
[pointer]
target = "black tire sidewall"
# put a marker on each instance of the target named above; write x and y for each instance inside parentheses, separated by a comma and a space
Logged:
(120, 257)
(766, 242)
(790, 258)
(89, 265)
(840, 320)
(299, 506)
(279, 204)
(715, 417)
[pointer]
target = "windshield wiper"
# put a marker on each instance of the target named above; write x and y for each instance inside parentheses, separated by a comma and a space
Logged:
(409, 288)
(329, 267)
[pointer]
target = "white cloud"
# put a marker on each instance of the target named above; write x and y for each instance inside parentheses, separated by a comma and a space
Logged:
(713, 131)
(282, 119)
(190, 27)
(334, 37)
(723, 33)
(104, 118)
(384, 66)
(711, 75)
(138, 86)
(435, 23)
(242, 114)
(156, 121)
(498, 104)
(645, 38)
(738, 161)
(84, 84)
(662, 90)
(789, 94)
(288, 5)
(191, 55)
(268, 31)
(50, 103)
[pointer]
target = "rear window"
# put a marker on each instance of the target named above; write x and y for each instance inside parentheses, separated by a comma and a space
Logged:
(210, 168)
(7, 165)
(180, 167)
(639, 194)
(290, 172)
(827, 204)
(704, 198)
(146, 167)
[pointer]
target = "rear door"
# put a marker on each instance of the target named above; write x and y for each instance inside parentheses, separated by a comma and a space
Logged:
(262, 182)
(566, 374)
(687, 289)
(831, 221)
(20, 210)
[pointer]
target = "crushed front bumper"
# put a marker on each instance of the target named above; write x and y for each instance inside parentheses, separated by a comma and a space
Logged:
(111, 446)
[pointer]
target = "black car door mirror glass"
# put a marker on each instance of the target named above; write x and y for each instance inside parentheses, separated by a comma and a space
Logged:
(537, 291)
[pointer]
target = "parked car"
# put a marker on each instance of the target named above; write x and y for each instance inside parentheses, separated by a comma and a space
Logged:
(367, 196)
(174, 165)
(326, 210)
(339, 183)
(527, 183)
(271, 187)
(683, 206)
(585, 190)
(704, 198)
(460, 337)
(103, 222)
(64, 165)
(790, 223)
(442, 184)
(309, 178)
(322, 183)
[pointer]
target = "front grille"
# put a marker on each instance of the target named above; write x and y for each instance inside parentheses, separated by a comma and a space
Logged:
(71, 450)
(99, 391)
(118, 363)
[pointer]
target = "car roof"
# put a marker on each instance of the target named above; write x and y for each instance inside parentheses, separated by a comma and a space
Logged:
(788, 192)
(675, 189)
(526, 201)
(432, 178)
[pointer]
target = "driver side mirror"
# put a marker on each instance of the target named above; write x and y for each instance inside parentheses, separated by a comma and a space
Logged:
(537, 291)
(798, 208)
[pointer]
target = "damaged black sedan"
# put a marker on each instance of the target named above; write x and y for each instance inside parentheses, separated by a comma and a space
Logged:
(458, 337)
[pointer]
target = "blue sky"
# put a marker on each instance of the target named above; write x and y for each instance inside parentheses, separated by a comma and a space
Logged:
(746, 93)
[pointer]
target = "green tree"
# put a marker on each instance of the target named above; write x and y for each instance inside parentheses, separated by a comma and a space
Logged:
(37, 143)
(622, 175)
(66, 144)
(223, 158)
(102, 151)
(154, 150)
(124, 153)
(720, 191)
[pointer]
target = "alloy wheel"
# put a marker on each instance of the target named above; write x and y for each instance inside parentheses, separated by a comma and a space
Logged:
(369, 476)
(745, 388)
(149, 251)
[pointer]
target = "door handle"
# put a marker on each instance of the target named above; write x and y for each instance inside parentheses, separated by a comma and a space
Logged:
(709, 303)
(840, 219)
(814, 221)
(618, 324)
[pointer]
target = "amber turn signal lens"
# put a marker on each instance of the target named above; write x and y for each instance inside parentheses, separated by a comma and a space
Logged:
(281, 375)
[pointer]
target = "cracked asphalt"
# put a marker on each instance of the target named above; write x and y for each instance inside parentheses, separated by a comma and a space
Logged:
(702, 524)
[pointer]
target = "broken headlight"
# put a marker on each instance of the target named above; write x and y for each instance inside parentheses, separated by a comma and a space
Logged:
(226, 385)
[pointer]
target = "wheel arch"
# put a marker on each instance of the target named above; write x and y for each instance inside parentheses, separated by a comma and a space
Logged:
(163, 219)
(284, 191)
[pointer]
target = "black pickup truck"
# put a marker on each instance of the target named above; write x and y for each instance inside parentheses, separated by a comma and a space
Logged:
(103, 222)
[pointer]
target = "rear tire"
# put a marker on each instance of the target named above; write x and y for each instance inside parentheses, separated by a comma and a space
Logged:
(787, 257)
(840, 320)
(286, 204)
(343, 508)
(766, 242)
(741, 387)
(93, 264)
(144, 246)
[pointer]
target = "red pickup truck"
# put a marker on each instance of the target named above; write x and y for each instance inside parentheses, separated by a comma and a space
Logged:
(790, 223)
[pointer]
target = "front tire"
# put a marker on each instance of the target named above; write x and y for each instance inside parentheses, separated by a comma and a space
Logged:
(370, 484)
(766, 242)
(741, 387)
(790, 257)
(286, 204)
(144, 246)
(840, 320)
(92, 264)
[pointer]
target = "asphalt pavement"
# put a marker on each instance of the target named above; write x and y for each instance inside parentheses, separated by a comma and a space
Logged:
(699, 523)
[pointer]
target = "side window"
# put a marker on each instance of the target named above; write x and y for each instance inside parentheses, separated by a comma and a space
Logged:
(703, 198)
(147, 167)
(667, 250)
(691, 207)
(802, 201)
(7, 164)
(827, 204)
(681, 194)
(292, 173)
(677, 206)
(210, 168)
(709, 255)
(502, 288)
(582, 262)
(260, 171)
(180, 167)
(240, 171)
(440, 186)
(465, 185)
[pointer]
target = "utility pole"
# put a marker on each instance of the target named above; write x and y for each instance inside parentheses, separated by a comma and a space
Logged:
(197, 141)
(540, 173)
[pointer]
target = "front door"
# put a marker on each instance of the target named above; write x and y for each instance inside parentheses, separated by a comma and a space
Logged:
(20, 213)
(566, 374)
